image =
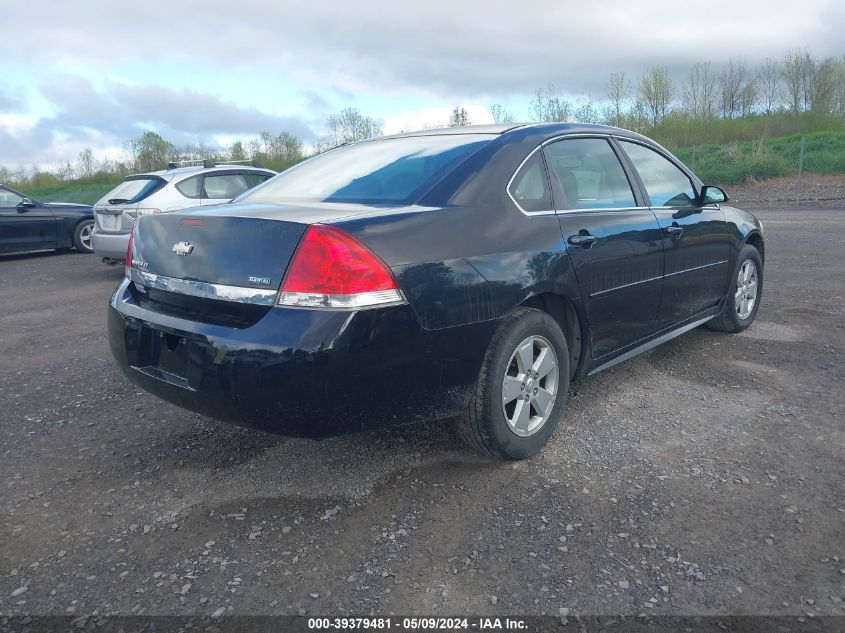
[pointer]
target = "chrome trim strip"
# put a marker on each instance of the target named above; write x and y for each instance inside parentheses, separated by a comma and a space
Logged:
(651, 344)
(602, 209)
(562, 211)
(688, 270)
(633, 283)
(202, 289)
(359, 301)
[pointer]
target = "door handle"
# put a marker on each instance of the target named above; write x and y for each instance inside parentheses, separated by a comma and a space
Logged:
(584, 241)
(674, 231)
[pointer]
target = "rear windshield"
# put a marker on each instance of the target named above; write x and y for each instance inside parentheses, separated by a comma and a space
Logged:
(384, 171)
(134, 189)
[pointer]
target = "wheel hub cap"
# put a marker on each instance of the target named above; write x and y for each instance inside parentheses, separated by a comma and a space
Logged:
(530, 386)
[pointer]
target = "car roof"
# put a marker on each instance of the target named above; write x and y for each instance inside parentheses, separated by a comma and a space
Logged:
(460, 129)
(196, 169)
(550, 129)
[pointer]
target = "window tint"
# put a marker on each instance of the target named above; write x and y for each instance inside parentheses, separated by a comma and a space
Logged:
(530, 187)
(667, 186)
(9, 199)
(223, 186)
(190, 187)
(254, 178)
(390, 170)
(590, 175)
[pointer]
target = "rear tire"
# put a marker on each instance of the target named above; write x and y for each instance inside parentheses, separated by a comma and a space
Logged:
(521, 389)
(746, 286)
(82, 236)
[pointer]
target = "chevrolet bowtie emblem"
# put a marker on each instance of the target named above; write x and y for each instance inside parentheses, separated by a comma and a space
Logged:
(183, 248)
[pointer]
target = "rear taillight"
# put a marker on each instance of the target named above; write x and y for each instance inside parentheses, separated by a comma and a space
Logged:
(137, 213)
(127, 266)
(331, 269)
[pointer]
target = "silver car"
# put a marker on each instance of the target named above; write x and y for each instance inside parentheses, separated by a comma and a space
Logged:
(168, 190)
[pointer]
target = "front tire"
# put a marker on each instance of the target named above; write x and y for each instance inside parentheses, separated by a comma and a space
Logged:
(82, 236)
(521, 389)
(744, 293)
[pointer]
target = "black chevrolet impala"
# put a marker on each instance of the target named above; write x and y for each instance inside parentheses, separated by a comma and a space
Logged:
(469, 273)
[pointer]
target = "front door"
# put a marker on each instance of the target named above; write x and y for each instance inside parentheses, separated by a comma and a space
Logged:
(30, 227)
(696, 241)
(612, 239)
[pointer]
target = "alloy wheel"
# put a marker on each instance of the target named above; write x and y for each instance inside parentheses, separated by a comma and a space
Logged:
(746, 289)
(85, 235)
(530, 386)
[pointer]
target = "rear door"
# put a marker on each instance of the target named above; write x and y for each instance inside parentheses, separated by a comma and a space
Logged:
(696, 241)
(612, 238)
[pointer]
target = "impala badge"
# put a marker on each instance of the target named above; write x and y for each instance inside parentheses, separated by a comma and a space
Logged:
(183, 248)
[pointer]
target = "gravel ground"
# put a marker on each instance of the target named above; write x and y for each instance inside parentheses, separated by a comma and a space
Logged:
(821, 191)
(704, 477)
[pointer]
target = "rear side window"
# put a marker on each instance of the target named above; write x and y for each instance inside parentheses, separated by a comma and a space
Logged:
(589, 174)
(223, 186)
(530, 187)
(190, 187)
(666, 184)
(383, 171)
(134, 189)
(254, 178)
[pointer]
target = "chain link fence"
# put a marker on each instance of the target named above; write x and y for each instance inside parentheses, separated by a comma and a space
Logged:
(789, 171)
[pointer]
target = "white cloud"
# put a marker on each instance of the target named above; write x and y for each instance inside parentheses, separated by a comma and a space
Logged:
(197, 69)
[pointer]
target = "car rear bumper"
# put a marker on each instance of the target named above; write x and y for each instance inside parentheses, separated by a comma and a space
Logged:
(302, 372)
(110, 245)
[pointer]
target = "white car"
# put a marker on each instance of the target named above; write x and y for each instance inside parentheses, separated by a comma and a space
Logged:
(162, 191)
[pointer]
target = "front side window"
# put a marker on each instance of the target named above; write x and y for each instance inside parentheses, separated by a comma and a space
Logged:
(9, 198)
(530, 187)
(666, 184)
(589, 174)
(224, 186)
(383, 171)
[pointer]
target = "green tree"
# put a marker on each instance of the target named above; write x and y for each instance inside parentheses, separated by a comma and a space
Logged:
(699, 91)
(655, 91)
(548, 106)
(347, 126)
(500, 115)
(149, 152)
(236, 151)
(618, 91)
(86, 163)
(458, 117)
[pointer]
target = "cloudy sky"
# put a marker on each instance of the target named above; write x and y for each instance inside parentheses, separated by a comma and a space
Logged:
(94, 73)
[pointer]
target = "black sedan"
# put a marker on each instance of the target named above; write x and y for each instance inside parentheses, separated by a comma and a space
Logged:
(470, 273)
(29, 225)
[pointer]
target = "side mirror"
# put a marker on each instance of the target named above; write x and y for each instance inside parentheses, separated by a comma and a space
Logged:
(711, 194)
(25, 204)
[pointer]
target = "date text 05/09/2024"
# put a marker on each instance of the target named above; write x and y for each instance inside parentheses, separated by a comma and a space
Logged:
(419, 624)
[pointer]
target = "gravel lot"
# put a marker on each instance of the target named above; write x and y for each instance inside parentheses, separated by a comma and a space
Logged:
(705, 477)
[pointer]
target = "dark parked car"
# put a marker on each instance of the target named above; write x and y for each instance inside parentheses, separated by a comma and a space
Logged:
(471, 272)
(29, 225)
